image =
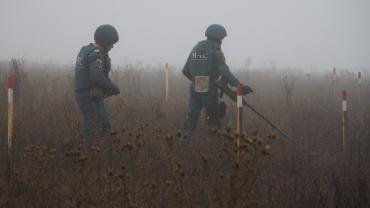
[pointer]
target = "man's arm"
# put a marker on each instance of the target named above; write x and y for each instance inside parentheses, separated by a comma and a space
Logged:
(223, 68)
(96, 73)
(186, 69)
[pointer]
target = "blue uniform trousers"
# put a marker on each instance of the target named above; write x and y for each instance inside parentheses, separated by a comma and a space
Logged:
(197, 102)
(94, 115)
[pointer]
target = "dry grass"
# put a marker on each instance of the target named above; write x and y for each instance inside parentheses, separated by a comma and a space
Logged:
(154, 164)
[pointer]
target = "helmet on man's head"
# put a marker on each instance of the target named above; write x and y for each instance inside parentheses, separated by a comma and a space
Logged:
(106, 35)
(216, 31)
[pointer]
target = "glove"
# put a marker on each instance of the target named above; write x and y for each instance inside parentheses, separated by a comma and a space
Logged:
(245, 89)
(114, 90)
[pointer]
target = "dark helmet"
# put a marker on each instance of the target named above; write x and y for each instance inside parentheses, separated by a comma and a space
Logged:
(216, 31)
(106, 35)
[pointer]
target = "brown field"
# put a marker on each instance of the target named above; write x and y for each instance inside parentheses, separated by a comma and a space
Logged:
(154, 164)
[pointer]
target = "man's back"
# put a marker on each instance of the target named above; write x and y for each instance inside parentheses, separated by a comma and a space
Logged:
(201, 65)
(82, 81)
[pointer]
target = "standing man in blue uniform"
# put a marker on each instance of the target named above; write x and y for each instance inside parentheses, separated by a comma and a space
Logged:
(92, 83)
(206, 64)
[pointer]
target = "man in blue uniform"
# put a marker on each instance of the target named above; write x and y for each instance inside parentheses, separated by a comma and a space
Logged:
(92, 83)
(206, 64)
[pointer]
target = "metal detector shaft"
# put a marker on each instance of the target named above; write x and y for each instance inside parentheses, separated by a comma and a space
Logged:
(267, 121)
(222, 85)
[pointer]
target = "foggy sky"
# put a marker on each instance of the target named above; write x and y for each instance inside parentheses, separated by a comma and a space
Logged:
(314, 34)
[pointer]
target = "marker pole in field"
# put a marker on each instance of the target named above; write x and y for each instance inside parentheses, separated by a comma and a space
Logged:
(359, 81)
(344, 119)
(10, 110)
(361, 149)
(166, 82)
(334, 79)
(0, 106)
(239, 119)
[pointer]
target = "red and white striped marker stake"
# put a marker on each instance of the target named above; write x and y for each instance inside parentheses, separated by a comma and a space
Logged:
(10, 110)
(334, 79)
(166, 82)
(239, 119)
(344, 119)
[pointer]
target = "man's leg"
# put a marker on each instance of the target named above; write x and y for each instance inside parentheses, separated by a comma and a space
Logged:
(88, 119)
(103, 117)
(194, 110)
(86, 105)
(212, 113)
(105, 128)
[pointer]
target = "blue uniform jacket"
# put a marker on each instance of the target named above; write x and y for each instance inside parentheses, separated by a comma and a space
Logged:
(207, 59)
(92, 70)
